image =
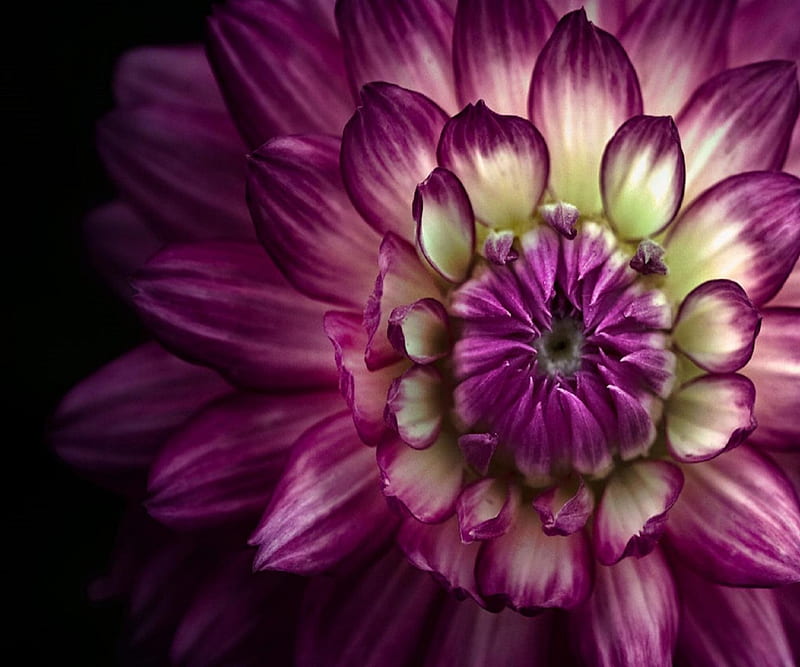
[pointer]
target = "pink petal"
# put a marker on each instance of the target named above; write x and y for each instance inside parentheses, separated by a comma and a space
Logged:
(565, 509)
(763, 30)
(608, 14)
(486, 509)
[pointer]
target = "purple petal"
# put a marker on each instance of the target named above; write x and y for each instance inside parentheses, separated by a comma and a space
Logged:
(445, 225)
(775, 371)
(564, 509)
(501, 160)
(420, 331)
(649, 259)
(740, 120)
(478, 449)
(631, 617)
(427, 481)
(306, 222)
(365, 391)
(744, 229)
(737, 521)
(327, 505)
(562, 217)
(406, 43)
(498, 248)
(642, 176)
(789, 294)
(675, 46)
(708, 416)
(415, 406)
(223, 465)
(495, 44)
(584, 87)
(632, 512)
(608, 14)
(280, 73)
(225, 305)
(530, 571)
(716, 326)
(388, 146)
(765, 30)
(113, 423)
(486, 509)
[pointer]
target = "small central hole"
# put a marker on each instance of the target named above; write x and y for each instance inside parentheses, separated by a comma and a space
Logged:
(559, 350)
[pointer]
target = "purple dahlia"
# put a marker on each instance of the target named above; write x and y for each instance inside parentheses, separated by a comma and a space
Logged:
(570, 394)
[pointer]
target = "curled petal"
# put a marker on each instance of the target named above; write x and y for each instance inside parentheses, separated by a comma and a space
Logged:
(486, 509)
(563, 509)
(420, 331)
(415, 406)
(478, 449)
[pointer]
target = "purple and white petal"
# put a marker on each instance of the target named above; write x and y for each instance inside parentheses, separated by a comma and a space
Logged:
(632, 512)
(709, 415)
(225, 305)
(675, 46)
(365, 391)
(716, 326)
(649, 258)
(305, 221)
(486, 509)
(740, 120)
(388, 147)
(327, 505)
(775, 372)
(642, 176)
(445, 225)
(583, 88)
(737, 521)
(744, 229)
(562, 217)
(405, 43)
(478, 449)
(631, 618)
(564, 509)
(529, 571)
(499, 247)
(415, 406)
(501, 160)
(420, 331)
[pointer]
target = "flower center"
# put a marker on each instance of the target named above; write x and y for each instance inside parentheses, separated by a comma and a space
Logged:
(558, 351)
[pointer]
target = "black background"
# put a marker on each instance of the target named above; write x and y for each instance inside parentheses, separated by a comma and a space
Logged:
(64, 323)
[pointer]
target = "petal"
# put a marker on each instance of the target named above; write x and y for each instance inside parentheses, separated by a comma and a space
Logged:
(737, 521)
(675, 46)
(632, 512)
(478, 449)
(775, 371)
(280, 73)
(608, 14)
(495, 44)
(415, 406)
(445, 225)
(764, 30)
(225, 305)
(306, 222)
(427, 481)
(564, 509)
(708, 416)
(365, 391)
(716, 326)
(740, 120)
(388, 146)
(224, 463)
(501, 160)
(642, 175)
(326, 506)
(583, 88)
(744, 229)
(530, 571)
(420, 331)
(405, 43)
(631, 618)
(486, 509)
(114, 422)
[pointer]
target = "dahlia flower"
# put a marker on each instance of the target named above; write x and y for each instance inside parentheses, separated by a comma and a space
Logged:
(501, 355)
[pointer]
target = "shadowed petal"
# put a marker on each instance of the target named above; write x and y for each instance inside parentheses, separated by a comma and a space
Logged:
(486, 509)
(608, 14)
(565, 509)
(420, 331)
(765, 29)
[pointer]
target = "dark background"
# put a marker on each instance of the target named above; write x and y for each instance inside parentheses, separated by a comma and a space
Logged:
(64, 323)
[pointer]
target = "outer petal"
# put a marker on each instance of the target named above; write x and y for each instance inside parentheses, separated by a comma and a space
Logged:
(226, 305)
(675, 46)
(744, 229)
(306, 222)
(530, 571)
(406, 43)
(765, 29)
(486, 509)
(327, 505)
(737, 521)
(280, 73)
(775, 371)
(222, 466)
(583, 88)
(608, 14)
(387, 148)
(501, 160)
(740, 120)
(113, 423)
(642, 176)
(631, 515)
(495, 44)
(631, 618)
